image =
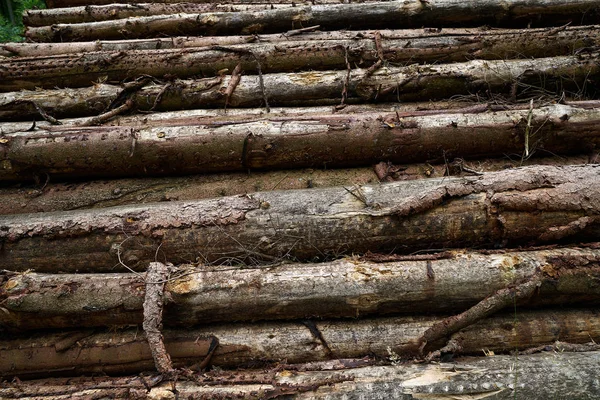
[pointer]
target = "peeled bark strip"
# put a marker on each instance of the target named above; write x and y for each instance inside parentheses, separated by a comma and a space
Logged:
(422, 42)
(338, 140)
(95, 13)
(76, 70)
(559, 75)
(127, 352)
(343, 288)
(496, 209)
(387, 14)
(536, 377)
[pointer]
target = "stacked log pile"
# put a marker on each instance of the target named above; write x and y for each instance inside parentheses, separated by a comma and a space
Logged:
(391, 199)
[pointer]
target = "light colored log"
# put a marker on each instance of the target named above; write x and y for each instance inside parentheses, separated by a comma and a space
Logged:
(410, 83)
(385, 14)
(344, 288)
(293, 54)
(518, 207)
(127, 351)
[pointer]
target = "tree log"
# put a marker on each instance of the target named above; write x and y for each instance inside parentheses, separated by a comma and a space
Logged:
(571, 75)
(76, 70)
(95, 13)
(386, 14)
(525, 206)
(536, 377)
(343, 288)
(127, 352)
(338, 140)
(419, 41)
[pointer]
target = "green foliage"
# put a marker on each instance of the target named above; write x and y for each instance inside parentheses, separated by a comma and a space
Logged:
(10, 32)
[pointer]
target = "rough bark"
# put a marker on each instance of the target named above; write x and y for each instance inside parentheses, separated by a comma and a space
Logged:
(76, 70)
(419, 41)
(95, 13)
(45, 196)
(570, 75)
(343, 288)
(126, 352)
(388, 14)
(535, 377)
(525, 206)
(337, 140)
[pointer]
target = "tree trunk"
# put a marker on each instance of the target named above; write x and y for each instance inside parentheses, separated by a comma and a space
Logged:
(535, 377)
(23, 198)
(343, 288)
(560, 75)
(336, 140)
(127, 351)
(96, 13)
(387, 14)
(419, 42)
(495, 209)
(75, 70)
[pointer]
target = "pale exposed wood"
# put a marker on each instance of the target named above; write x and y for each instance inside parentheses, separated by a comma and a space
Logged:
(536, 377)
(553, 75)
(344, 288)
(386, 14)
(335, 140)
(127, 351)
(292, 54)
(495, 209)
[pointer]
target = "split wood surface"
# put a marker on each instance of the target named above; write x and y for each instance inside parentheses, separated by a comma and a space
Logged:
(522, 78)
(536, 377)
(525, 206)
(335, 140)
(344, 288)
(386, 14)
(278, 53)
(128, 352)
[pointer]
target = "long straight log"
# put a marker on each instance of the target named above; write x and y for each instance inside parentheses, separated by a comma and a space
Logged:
(386, 14)
(536, 377)
(51, 196)
(338, 140)
(95, 13)
(343, 288)
(552, 75)
(420, 42)
(76, 70)
(126, 352)
(496, 209)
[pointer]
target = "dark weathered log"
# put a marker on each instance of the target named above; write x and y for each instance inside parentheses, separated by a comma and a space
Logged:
(535, 377)
(386, 14)
(95, 13)
(74, 70)
(518, 78)
(123, 352)
(495, 209)
(335, 140)
(44, 197)
(419, 41)
(343, 288)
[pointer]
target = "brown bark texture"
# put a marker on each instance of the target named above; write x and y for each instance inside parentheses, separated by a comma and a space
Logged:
(344, 288)
(526, 206)
(127, 351)
(336, 140)
(536, 377)
(387, 14)
(566, 75)
(360, 50)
